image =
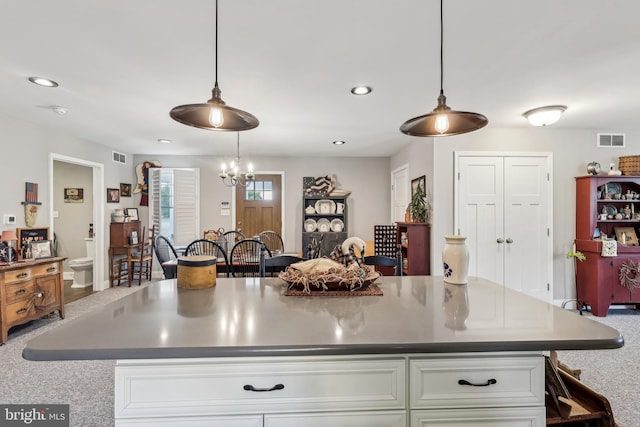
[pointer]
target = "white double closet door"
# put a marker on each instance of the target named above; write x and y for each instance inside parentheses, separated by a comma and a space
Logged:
(503, 205)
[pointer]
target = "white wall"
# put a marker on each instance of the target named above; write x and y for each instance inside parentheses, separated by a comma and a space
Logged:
(572, 150)
(27, 149)
(366, 177)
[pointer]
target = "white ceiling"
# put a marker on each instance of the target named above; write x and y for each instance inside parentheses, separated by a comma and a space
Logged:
(123, 64)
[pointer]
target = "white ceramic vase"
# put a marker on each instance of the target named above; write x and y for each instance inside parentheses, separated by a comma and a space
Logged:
(118, 215)
(455, 260)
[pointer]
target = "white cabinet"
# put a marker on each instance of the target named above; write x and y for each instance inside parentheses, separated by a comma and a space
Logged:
(336, 391)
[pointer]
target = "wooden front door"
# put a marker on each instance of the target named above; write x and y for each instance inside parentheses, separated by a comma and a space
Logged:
(259, 205)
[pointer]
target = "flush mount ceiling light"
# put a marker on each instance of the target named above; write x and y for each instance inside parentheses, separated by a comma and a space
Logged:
(215, 114)
(41, 81)
(443, 121)
(339, 142)
(164, 141)
(544, 116)
(361, 90)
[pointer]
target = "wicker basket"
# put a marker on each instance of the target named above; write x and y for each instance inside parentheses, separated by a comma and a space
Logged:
(629, 165)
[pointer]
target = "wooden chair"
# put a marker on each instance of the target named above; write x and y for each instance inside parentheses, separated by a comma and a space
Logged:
(270, 266)
(139, 260)
(165, 252)
(211, 248)
(232, 237)
(245, 258)
(386, 261)
(272, 240)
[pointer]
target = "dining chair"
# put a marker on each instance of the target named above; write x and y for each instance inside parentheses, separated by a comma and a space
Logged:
(271, 266)
(211, 248)
(165, 252)
(272, 240)
(232, 237)
(139, 259)
(245, 257)
(386, 261)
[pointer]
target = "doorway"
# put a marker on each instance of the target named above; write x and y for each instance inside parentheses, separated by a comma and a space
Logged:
(97, 208)
(258, 205)
(399, 193)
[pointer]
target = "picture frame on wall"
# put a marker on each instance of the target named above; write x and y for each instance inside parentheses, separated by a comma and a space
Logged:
(132, 214)
(421, 181)
(113, 195)
(74, 195)
(626, 236)
(125, 190)
(133, 239)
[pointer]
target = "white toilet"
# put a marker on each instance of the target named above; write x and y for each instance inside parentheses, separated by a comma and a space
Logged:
(83, 267)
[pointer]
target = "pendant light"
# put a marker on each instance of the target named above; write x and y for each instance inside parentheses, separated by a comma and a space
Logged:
(443, 121)
(215, 114)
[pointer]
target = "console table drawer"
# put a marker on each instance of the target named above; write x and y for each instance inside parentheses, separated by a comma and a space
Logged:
(19, 310)
(19, 291)
(12, 276)
(209, 387)
(44, 269)
(512, 381)
(502, 417)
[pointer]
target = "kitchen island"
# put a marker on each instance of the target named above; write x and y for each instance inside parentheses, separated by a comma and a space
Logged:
(244, 354)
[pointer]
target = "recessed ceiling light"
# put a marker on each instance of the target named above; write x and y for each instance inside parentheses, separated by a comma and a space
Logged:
(338, 142)
(164, 141)
(361, 90)
(41, 81)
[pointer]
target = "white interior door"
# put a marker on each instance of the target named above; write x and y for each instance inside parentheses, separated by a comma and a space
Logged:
(399, 193)
(504, 207)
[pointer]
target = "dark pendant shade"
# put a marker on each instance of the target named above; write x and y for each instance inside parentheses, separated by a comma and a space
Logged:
(459, 122)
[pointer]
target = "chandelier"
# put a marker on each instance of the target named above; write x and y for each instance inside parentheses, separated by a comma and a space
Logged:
(443, 121)
(233, 175)
(215, 114)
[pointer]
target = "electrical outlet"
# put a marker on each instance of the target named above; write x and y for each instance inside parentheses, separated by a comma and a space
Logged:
(56, 214)
(9, 219)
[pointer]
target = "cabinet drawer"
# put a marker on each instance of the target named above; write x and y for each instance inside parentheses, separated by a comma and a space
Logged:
(20, 310)
(215, 387)
(498, 417)
(12, 276)
(342, 419)
(519, 381)
(229, 421)
(19, 291)
(44, 269)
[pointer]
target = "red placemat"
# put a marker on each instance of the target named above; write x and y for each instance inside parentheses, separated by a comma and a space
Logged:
(371, 289)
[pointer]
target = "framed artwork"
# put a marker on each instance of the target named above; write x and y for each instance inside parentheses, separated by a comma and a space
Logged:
(626, 236)
(74, 195)
(125, 190)
(132, 213)
(134, 238)
(113, 195)
(32, 234)
(421, 181)
(41, 249)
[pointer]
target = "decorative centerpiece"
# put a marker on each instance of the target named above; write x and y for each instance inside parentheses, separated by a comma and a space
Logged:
(324, 275)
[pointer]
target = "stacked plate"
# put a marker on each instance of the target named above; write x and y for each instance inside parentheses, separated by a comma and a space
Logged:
(310, 225)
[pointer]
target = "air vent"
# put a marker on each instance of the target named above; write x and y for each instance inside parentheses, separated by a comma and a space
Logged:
(119, 158)
(611, 140)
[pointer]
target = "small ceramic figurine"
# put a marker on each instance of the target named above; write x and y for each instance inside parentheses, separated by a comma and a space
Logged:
(627, 212)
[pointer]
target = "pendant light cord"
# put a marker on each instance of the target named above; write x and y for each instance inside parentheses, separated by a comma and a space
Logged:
(216, 55)
(441, 49)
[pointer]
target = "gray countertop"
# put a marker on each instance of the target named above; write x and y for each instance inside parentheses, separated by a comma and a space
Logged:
(252, 317)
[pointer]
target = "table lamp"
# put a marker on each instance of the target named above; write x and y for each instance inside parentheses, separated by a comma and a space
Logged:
(9, 236)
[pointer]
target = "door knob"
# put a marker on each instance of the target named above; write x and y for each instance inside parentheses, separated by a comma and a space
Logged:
(500, 240)
(509, 240)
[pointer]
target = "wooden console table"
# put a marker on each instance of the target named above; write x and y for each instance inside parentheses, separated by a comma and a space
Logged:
(30, 290)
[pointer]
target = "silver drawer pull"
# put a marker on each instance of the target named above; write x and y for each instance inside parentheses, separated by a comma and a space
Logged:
(21, 275)
(51, 269)
(249, 387)
(21, 291)
(488, 383)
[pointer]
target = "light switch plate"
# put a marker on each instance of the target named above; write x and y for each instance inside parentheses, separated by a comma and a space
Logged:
(9, 219)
